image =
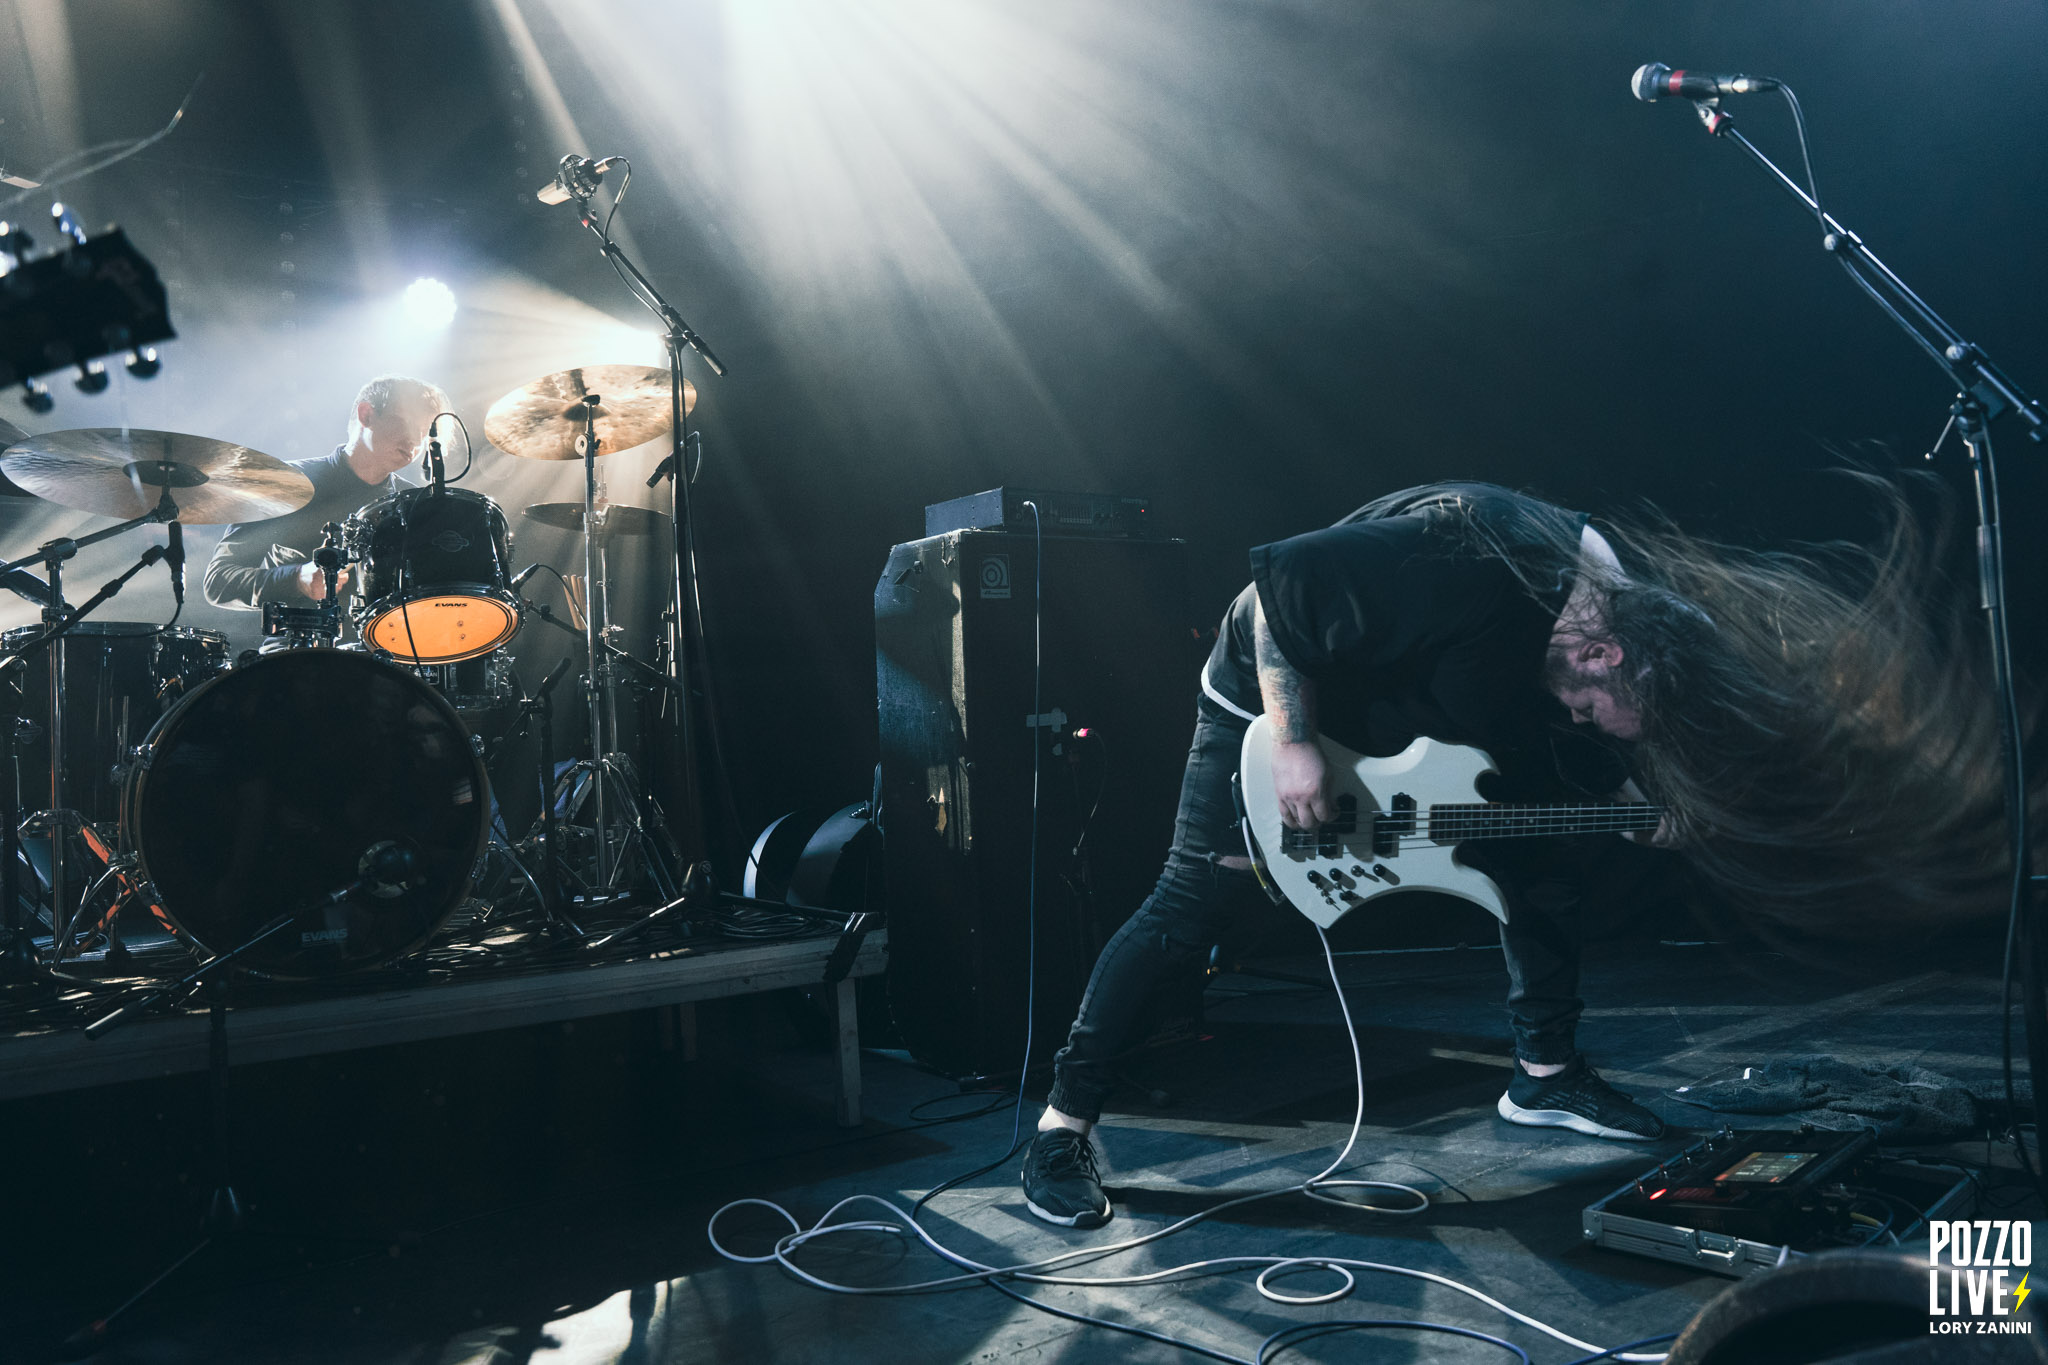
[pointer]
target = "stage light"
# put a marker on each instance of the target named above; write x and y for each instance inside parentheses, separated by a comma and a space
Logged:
(429, 304)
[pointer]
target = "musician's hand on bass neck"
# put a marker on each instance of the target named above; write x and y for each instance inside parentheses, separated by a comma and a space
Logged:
(1301, 782)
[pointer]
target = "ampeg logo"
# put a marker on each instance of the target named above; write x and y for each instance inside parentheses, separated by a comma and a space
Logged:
(995, 576)
(1979, 1270)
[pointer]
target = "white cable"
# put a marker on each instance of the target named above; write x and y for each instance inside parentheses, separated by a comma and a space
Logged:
(1030, 1271)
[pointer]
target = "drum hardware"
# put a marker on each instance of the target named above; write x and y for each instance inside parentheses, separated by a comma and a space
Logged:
(537, 715)
(686, 651)
(317, 626)
(558, 417)
(267, 784)
(435, 574)
(129, 473)
(618, 519)
(545, 420)
(112, 472)
(59, 621)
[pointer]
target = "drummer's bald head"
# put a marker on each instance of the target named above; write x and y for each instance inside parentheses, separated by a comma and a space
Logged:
(387, 391)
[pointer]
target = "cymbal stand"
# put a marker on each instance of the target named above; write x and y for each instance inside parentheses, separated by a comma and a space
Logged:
(18, 963)
(596, 685)
(58, 620)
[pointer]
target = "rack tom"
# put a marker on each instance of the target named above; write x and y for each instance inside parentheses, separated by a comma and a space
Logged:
(435, 575)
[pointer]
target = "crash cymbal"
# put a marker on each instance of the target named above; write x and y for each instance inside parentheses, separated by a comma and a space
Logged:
(541, 420)
(623, 520)
(119, 473)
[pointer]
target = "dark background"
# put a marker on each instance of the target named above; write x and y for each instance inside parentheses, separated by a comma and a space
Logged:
(1258, 262)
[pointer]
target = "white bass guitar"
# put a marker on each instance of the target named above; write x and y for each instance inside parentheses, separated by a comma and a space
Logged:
(1398, 825)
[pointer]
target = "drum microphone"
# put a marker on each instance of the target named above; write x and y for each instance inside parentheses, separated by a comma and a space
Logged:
(174, 555)
(1654, 80)
(387, 868)
(576, 179)
(519, 579)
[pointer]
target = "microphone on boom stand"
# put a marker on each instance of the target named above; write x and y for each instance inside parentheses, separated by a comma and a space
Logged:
(1654, 80)
(576, 178)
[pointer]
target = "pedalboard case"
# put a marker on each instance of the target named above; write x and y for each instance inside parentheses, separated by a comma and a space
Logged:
(1742, 1201)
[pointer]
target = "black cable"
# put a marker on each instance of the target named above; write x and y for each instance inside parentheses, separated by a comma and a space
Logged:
(1305, 1331)
(558, 576)
(1613, 1351)
(468, 446)
(990, 1106)
(1126, 1327)
(404, 572)
(1806, 157)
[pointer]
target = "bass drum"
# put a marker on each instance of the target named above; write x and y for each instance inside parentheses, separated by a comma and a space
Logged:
(264, 788)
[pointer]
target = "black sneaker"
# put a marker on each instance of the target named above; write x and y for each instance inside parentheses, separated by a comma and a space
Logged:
(1061, 1183)
(1576, 1098)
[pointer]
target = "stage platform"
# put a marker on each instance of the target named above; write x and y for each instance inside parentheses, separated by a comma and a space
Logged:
(540, 1195)
(38, 1058)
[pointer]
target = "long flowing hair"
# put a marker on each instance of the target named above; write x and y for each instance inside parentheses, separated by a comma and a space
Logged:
(1817, 719)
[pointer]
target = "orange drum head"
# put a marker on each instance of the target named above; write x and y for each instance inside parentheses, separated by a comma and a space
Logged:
(443, 629)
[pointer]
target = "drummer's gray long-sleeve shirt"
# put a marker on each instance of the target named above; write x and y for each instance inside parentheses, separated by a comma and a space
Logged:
(256, 561)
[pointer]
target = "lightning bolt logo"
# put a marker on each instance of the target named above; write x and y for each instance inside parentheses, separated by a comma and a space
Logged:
(2019, 1296)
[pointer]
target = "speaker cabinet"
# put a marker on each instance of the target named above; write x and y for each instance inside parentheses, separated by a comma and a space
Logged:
(954, 649)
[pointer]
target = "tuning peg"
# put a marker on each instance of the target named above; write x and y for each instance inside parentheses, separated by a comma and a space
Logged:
(144, 363)
(36, 397)
(66, 223)
(92, 377)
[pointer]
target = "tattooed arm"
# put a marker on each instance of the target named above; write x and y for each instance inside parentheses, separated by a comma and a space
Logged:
(1299, 772)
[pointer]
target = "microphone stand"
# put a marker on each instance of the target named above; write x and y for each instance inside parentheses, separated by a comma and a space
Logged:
(224, 1210)
(687, 649)
(1983, 394)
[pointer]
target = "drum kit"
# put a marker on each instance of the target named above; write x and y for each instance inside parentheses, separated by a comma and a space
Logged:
(340, 779)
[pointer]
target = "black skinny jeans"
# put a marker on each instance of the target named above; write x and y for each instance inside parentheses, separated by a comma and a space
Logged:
(1168, 940)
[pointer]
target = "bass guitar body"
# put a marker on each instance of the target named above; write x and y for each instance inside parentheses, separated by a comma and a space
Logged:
(1380, 840)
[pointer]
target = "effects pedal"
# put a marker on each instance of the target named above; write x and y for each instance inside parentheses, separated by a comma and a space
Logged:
(1740, 1201)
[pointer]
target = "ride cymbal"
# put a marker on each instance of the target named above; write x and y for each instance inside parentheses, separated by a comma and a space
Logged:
(122, 473)
(541, 420)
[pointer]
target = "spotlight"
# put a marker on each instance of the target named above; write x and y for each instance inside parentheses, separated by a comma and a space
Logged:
(36, 396)
(144, 362)
(92, 377)
(429, 304)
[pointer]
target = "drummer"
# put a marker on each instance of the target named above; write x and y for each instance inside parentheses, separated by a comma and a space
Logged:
(271, 561)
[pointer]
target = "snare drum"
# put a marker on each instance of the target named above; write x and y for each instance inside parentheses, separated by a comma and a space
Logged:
(262, 791)
(435, 575)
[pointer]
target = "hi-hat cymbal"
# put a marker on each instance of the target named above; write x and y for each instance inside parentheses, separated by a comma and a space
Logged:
(541, 420)
(122, 473)
(624, 520)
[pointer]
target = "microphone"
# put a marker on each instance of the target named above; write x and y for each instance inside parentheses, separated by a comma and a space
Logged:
(387, 869)
(576, 178)
(1654, 80)
(175, 557)
(519, 579)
